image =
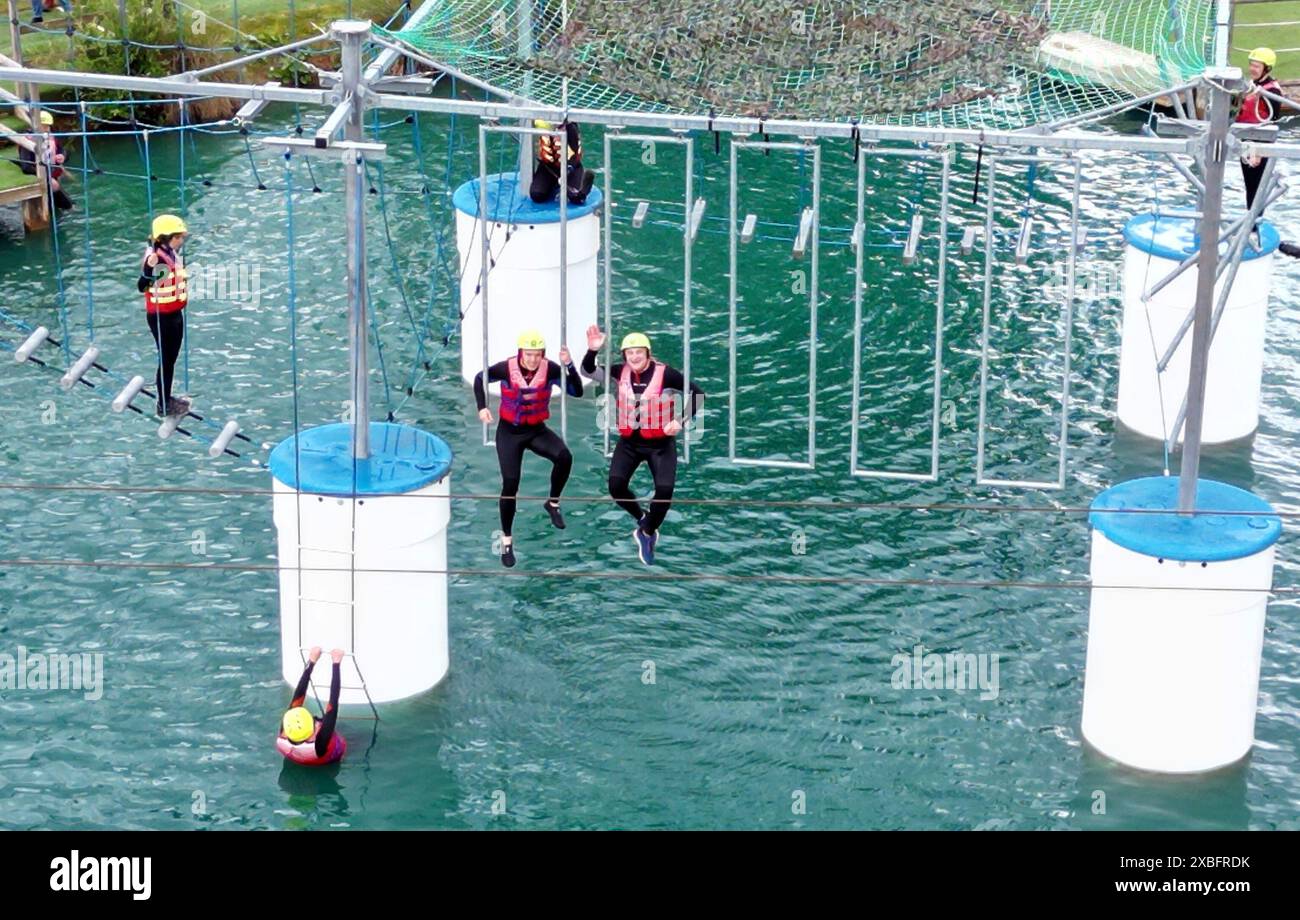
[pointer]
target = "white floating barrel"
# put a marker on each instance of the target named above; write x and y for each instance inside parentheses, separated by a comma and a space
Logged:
(1155, 246)
(1176, 625)
(380, 593)
(524, 282)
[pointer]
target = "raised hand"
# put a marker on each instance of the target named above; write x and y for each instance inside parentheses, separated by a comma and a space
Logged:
(595, 338)
(314, 655)
(565, 358)
(336, 655)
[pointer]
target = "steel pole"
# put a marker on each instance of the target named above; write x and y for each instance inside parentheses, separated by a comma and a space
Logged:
(350, 34)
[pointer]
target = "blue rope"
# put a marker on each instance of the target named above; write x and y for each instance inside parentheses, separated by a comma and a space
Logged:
(90, 275)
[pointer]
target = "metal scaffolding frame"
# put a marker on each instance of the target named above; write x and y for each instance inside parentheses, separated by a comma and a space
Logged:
(353, 91)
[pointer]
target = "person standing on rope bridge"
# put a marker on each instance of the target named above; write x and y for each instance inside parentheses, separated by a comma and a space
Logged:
(165, 297)
(303, 738)
(54, 162)
(647, 429)
(546, 171)
(526, 381)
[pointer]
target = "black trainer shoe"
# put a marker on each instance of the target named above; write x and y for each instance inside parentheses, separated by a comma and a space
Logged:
(557, 519)
(508, 555)
(37, 19)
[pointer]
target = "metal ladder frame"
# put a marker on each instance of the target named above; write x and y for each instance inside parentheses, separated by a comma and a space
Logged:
(989, 243)
(859, 230)
(732, 299)
(688, 245)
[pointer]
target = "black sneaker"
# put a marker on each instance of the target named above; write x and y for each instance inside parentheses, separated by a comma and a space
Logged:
(1289, 249)
(557, 519)
(579, 196)
(508, 555)
(177, 406)
(37, 19)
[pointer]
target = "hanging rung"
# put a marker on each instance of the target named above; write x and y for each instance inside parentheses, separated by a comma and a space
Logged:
(968, 240)
(33, 342)
(697, 215)
(642, 208)
(805, 233)
(913, 240)
(78, 370)
(222, 441)
(1022, 242)
(323, 600)
(168, 426)
(747, 231)
(129, 392)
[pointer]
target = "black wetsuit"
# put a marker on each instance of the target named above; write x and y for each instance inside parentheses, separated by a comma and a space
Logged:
(512, 440)
(27, 163)
(660, 454)
(168, 334)
(326, 730)
(546, 176)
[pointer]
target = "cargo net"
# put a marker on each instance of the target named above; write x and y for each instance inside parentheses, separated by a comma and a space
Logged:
(953, 63)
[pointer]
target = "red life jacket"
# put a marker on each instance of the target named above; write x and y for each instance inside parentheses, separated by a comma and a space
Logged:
(648, 412)
(1256, 109)
(169, 293)
(55, 171)
(522, 404)
(305, 752)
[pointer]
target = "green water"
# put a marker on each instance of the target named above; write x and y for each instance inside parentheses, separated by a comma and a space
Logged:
(765, 695)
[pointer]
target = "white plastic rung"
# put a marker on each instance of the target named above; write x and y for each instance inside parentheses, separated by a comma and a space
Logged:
(638, 219)
(1022, 242)
(222, 441)
(78, 370)
(129, 392)
(697, 215)
(747, 231)
(805, 233)
(913, 240)
(33, 342)
(968, 240)
(168, 426)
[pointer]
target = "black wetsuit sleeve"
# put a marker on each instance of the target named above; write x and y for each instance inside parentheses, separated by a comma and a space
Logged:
(674, 380)
(146, 278)
(331, 714)
(498, 371)
(300, 693)
(574, 381)
(599, 374)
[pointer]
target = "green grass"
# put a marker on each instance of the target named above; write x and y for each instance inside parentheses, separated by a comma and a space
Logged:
(1279, 38)
(10, 175)
(255, 17)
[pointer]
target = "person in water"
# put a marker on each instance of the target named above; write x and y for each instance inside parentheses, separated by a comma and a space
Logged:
(163, 281)
(647, 429)
(526, 381)
(546, 171)
(303, 738)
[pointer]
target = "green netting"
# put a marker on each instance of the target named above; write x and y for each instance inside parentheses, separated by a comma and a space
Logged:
(962, 63)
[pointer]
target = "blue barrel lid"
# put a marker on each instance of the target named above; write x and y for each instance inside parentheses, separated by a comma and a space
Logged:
(402, 459)
(1175, 237)
(505, 202)
(1248, 526)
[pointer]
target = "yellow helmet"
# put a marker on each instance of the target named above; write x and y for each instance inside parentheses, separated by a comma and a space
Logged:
(46, 118)
(298, 724)
(1266, 56)
(532, 339)
(635, 340)
(543, 124)
(167, 224)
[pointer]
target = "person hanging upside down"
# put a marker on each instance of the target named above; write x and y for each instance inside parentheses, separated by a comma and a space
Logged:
(526, 381)
(546, 171)
(303, 738)
(165, 297)
(647, 429)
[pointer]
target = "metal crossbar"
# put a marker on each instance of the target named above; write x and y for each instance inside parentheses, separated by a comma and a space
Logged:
(689, 220)
(989, 245)
(732, 298)
(859, 229)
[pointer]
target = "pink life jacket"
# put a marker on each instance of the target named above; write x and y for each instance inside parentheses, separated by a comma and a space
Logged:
(650, 412)
(305, 752)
